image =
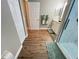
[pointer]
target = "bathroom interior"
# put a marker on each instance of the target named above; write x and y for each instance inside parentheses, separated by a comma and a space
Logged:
(58, 17)
(52, 15)
(48, 14)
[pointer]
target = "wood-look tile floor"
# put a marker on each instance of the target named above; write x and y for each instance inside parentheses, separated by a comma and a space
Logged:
(34, 47)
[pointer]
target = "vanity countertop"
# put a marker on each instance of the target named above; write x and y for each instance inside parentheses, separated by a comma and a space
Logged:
(56, 26)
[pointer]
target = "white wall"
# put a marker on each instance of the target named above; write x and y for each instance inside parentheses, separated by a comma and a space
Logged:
(16, 14)
(9, 36)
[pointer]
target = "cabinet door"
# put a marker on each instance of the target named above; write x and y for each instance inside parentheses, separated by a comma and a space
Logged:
(34, 14)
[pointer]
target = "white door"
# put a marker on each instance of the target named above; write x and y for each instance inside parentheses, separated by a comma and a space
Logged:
(34, 14)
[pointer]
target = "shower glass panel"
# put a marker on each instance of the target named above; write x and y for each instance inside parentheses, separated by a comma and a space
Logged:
(69, 38)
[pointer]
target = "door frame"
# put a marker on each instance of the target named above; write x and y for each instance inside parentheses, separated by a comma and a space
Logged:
(24, 14)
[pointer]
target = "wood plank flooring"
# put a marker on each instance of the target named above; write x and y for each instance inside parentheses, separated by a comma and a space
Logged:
(34, 47)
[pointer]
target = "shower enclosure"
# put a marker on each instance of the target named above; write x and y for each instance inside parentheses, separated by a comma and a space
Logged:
(69, 40)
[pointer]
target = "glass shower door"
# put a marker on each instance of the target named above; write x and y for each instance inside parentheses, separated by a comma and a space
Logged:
(69, 38)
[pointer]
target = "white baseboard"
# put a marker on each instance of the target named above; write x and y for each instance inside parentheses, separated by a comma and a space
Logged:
(43, 28)
(20, 47)
(24, 39)
(39, 29)
(18, 52)
(34, 29)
